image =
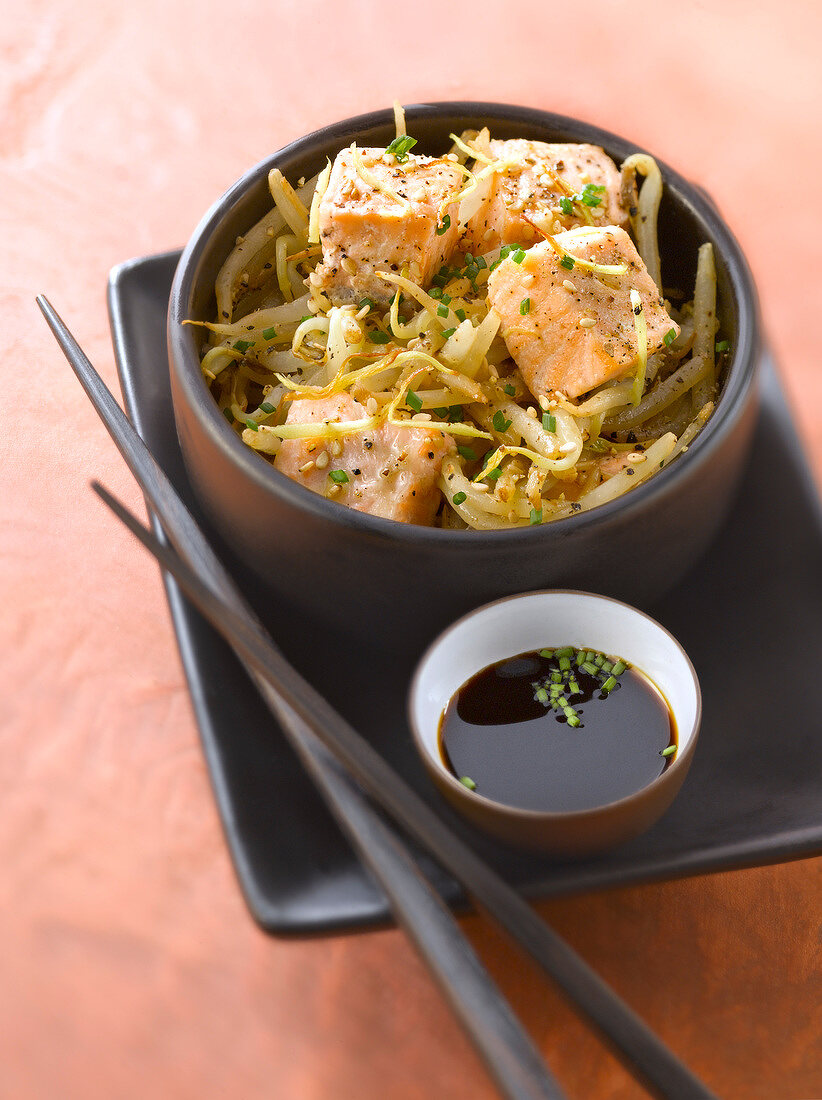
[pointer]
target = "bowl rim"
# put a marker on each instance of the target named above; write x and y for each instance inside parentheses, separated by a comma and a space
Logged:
(184, 363)
(681, 760)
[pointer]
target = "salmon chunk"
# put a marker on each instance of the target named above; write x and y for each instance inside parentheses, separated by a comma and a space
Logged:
(571, 329)
(388, 471)
(554, 186)
(366, 228)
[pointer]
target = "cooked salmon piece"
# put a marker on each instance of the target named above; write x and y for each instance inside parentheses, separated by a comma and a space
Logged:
(365, 228)
(571, 329)
(611, 465)
(389, 471)
(556, 187)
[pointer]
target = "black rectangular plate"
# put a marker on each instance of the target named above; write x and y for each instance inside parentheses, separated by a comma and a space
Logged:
(749, 614)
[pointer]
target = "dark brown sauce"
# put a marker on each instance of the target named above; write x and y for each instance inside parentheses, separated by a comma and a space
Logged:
(497, 734)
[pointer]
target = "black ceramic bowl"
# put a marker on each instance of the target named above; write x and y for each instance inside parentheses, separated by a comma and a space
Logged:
(376, 577)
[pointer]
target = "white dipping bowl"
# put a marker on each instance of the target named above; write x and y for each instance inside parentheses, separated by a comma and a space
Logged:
(554, 618)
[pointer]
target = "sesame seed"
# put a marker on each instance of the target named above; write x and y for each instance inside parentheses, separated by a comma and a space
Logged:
(527, 279)
(569, 286)
(371, 406)
(419, 194)
(322, 460)
(332, 489)
(306, 466)
(348, 266)
(532, 412)
(566, 448)
(240, 240)
(244, 278)
(587, 322)
(336, 447)
(543, 403)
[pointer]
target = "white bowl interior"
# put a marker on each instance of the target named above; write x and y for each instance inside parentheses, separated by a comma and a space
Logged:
(550, 619)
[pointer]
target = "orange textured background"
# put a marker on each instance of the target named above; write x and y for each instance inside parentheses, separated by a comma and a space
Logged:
(128, 965)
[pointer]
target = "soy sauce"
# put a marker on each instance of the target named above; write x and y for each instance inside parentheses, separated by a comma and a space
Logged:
(502, 738)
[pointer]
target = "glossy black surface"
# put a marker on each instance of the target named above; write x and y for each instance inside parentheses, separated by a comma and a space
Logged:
(753, 792)
(501, 732)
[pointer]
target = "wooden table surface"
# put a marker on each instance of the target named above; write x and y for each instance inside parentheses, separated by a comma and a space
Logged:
(128, 965)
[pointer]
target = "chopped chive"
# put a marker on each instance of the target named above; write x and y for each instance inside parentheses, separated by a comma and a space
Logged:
(669, 337)
(367, 302)
(400, 147)
(723, 345)
(460, 313)
(266, 407)
(549, 422)
(569, 712)
(269, 333)
(413, 401)
(378, 337)
(479, 261)
(566, 651)
(590, 194)
(499, 421)
(340, 476)
(525, 306)
(435, 292)
(556, 677)
(607, 667)
(228, 414)
(449, 331)
(599, 660)
(307, 317)
(573, 687)
(493, 475)
(541, 696)
(573, 720)
(589, 654)
(467, 452)
(546, 653)
(442, 311)
(518, 256)
(566, 206)
(446, 224)
(459, 498)
(564, 664)
(535, 517)
(509, 389)
(454, 413)
(242, 346)
(468, 782)
(255, 427)
(609, 684)
(619, 668)
(671, 749)
(441, 411)
(567, 262)
(446, 299)
(589, 667)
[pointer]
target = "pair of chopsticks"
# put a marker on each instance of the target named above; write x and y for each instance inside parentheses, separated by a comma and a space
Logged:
(344, 765)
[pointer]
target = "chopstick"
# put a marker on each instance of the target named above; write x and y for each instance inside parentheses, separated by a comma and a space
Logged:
(498, 1036)
(644, 1054)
